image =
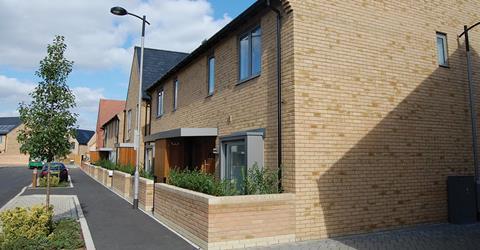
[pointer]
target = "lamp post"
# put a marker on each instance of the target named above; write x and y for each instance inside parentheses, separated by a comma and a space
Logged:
(119, 11)
(473, 113)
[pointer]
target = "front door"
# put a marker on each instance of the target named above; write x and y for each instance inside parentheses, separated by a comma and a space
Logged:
(235, 161)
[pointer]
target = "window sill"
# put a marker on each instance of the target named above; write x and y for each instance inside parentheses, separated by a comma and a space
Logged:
(248, 79)
(210, 95)
(443, 66)
(159, 116)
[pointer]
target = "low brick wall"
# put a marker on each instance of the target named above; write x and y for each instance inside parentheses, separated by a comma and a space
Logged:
(121, 183)
(145, 193)
(226, 222)
(96, 173)
(106, 179)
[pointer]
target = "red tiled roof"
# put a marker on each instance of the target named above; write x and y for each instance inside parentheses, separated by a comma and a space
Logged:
(106, 110)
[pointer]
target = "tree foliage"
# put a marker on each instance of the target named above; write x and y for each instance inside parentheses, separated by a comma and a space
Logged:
(48, 120)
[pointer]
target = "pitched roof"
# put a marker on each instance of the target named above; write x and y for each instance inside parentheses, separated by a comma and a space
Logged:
(106, 110)
(156, 63)
(83, 136)
(7, 124)
(240, 20)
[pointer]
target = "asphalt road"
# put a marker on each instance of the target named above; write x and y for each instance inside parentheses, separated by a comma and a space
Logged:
(12, 180)
(112, 221)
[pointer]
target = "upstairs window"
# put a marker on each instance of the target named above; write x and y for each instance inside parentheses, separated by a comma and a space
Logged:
(211, 75)
(160, 98)
(175, 94)
(250, 54)
(442, 51)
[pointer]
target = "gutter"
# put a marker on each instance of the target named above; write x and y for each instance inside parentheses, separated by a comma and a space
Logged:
(279, 92)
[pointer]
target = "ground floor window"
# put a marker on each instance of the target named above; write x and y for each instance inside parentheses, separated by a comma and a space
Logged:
(239, 152)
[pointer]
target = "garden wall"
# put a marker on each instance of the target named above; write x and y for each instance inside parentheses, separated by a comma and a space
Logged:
(121, 183)
(226, 222)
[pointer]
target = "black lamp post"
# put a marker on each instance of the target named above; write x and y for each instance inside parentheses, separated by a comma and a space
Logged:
(119, 11)
(473, 113)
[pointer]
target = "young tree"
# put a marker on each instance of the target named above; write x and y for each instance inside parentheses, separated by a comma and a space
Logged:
(48, 120)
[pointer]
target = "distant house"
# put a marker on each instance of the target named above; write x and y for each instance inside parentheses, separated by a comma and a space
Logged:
(156, 64)
(80, 145)
(107, 109)
(9, 146)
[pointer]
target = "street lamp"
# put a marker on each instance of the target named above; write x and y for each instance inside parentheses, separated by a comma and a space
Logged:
(473, 113)
(119, 11)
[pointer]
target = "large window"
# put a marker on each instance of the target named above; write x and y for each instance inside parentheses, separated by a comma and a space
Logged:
(211, 75)
(129, 123)
(250, 54)
(442, 51)
(175, 94)
(160, 98)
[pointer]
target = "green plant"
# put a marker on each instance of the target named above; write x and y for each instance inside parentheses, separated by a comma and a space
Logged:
(26, 223)
(66, 235)
(105, 164)
(201, 182)
(146, 174)
(260, 181)
(129, 169)
(54, 181)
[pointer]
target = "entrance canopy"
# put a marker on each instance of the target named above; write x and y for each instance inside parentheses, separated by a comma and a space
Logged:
(182, 132)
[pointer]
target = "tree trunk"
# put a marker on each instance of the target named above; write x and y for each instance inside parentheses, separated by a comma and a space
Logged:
(47, 202)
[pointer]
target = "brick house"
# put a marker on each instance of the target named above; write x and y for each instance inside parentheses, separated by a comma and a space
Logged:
(155, 64)
(9, 146)
(374, 108)
(107, 109)
(80, 145)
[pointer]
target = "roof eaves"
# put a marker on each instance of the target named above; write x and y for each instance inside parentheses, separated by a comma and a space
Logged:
(252, 10)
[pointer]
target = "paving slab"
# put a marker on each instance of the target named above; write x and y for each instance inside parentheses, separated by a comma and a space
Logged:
(63, 205)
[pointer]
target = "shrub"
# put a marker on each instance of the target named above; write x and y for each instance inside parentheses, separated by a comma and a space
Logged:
(260, 181)
(26, 224)
(66, 235)
(105, 164)
(33, 229)
(146, 174)
(54, 181)
(201, 182)
(129, 169)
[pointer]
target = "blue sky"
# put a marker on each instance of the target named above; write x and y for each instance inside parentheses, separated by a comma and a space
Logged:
(99, 43)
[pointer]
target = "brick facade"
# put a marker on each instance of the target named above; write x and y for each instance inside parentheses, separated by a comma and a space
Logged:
(372, 125)
(10, 148)
(226, 222)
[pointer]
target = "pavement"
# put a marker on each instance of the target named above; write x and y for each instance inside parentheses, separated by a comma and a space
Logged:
(115, 225)
(112, 222)
(63, 205)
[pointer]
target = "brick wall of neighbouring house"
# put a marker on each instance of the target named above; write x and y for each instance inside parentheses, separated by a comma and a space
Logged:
(378, 124)
(226, 222)
(235, 107)
(11, 149)
(121, 183)
(131, 104)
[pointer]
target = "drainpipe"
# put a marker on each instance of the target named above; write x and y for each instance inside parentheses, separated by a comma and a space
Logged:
(279, 92)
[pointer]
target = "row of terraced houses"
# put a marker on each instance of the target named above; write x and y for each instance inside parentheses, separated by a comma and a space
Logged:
(363, 105)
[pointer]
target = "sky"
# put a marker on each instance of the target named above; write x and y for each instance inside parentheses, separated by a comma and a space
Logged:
(99, 43)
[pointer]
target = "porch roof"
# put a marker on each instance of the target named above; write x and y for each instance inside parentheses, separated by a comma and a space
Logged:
(182, 132)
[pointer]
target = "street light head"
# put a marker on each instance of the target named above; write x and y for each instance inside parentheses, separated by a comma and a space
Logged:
(119, 11)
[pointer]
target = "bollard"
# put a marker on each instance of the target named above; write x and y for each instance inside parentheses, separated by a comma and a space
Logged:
(34, 178)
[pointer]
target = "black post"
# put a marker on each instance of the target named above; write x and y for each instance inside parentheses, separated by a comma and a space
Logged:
(473, 113)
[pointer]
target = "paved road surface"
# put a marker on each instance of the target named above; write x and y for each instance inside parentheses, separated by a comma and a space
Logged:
(112, 221)
(12, 180)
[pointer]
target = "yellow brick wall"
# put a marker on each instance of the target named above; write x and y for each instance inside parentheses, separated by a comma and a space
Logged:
(121, 183)
(10, 149)
(226, 222)
(131, 104)
(378, 124)
(234, 107)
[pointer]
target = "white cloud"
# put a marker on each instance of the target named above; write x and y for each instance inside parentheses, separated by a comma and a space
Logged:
(14, 91)
(96, 38)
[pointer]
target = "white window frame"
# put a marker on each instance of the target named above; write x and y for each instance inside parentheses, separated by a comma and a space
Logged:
(160, 102)
(443, 49)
